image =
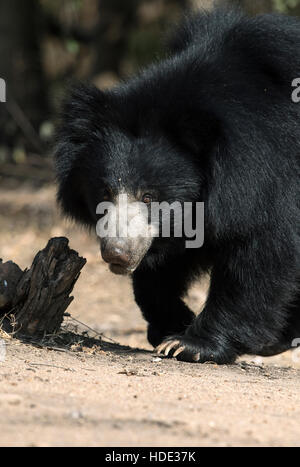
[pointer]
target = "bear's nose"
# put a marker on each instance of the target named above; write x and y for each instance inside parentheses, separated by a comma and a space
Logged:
(116, 256)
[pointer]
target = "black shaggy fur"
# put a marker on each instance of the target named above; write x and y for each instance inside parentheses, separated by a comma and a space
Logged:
(213, 122)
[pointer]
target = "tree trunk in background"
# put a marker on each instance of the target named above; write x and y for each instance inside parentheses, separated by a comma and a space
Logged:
(117, 17)
(21, 68)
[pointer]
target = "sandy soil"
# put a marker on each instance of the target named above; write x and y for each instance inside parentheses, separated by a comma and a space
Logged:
(103, 393)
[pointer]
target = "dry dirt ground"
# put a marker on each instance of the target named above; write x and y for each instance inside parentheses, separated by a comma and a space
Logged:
(104, 393)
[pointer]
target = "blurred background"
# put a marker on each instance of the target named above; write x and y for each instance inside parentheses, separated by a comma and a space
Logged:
(43, 45)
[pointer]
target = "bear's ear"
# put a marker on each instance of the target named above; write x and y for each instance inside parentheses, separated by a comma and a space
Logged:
(197, 132)
(84, 115)
(84, 109)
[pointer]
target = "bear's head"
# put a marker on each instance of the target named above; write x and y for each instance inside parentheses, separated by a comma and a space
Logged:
(117, 158)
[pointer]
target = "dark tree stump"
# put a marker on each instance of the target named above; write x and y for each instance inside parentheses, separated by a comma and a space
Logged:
(38, 298)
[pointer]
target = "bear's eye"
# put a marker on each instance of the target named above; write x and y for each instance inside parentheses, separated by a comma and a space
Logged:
(147, 199)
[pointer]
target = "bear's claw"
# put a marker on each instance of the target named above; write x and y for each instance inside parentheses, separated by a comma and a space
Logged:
(178, 351)
(166, 346)
(193, 349)
(174, 347)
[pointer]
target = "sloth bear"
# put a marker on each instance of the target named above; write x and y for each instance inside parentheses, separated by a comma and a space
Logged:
(213, 122)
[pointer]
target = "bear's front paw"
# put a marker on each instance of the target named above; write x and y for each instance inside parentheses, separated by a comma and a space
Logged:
(190, 349)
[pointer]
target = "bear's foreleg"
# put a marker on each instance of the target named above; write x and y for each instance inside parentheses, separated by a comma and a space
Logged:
(158, 294)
